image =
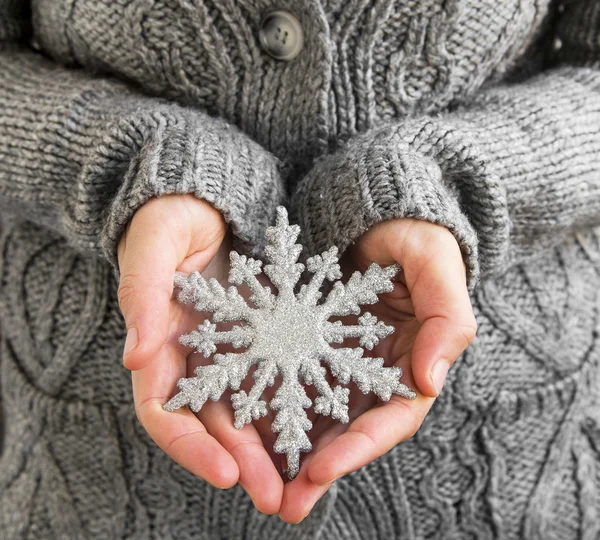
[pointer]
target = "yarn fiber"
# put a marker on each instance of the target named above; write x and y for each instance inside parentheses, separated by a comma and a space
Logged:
(477, 115)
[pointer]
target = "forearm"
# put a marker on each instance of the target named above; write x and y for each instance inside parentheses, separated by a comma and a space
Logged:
(541, 139)
(509, 174)
(81, 154)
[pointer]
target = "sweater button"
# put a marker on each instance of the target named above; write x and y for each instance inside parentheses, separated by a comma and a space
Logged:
(281, 35)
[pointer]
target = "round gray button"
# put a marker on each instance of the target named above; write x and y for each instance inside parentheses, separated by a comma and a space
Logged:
(281, 35)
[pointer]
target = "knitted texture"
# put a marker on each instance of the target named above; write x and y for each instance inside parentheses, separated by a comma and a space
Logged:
(104, 151)
(480, 116)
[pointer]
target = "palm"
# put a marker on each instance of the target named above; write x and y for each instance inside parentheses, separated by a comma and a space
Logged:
(324, 428)
(397, 346)
(205, 443)
(434, 322)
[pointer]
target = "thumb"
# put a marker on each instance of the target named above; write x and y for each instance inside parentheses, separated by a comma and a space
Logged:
(436, 292)
(435, 277)
(147, 262)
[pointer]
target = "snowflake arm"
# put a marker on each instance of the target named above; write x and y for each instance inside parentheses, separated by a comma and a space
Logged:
(250, 407)
(282, 252)
(212, 297)
(209, 382)
(229, 370)
(237, 366)
(245, 270)
(206, 338)
(331, 401)
(360, 289)
(369, 331)
(322, 267)
(368, 373)
(291, 422)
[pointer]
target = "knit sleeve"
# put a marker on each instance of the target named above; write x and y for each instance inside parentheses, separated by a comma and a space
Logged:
(509, 173)
(80, 154)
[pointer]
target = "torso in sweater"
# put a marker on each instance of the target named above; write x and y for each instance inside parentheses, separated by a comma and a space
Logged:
(510, 449)
(362, 62)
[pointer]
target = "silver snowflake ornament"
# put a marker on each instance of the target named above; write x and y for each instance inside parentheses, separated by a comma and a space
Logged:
(287, 334)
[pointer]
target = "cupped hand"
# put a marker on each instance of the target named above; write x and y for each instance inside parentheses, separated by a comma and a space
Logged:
(434, 323)
(181, 233)
(429, 308)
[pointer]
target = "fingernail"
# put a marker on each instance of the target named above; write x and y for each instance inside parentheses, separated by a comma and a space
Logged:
(438, 375)
(131, 340)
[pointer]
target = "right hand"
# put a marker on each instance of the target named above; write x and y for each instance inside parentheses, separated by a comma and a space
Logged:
(169, 234)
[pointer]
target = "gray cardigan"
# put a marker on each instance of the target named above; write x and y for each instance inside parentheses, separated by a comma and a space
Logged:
(479, 115)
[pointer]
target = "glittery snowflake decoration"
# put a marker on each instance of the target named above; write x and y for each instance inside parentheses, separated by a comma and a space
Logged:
(287, 334)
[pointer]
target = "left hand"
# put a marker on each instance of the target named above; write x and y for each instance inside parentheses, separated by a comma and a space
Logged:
(434, 323)
(180, 233)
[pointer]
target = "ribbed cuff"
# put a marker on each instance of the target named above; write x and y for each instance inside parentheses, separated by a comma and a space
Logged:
(422, 169)
(87, 152)
(177, 153)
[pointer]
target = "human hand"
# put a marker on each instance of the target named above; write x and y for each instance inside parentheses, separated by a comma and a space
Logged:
(181, 233)
(434, 323)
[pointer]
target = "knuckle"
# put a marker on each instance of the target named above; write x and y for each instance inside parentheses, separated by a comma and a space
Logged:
(468, 331)
(147, 408)
(126, 292)
(414, 426)
(183, 436)
(139, 417)
(158, 213)
(464, 336)
(425, 243)
(419, 418)
(413, 419)
(246, 445)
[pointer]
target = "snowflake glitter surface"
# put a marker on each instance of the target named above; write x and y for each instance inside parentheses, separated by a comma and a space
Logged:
(287, 334)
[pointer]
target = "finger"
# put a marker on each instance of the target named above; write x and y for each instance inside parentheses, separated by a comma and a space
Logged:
(435, 276)
(370, 436)
(147, 265)
(258, 475)
(160, 237)
(179, 434)
(301, 494)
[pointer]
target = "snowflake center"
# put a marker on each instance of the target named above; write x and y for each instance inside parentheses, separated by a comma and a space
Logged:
(287, 334)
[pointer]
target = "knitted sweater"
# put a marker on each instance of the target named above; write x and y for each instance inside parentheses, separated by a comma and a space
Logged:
(479, 115)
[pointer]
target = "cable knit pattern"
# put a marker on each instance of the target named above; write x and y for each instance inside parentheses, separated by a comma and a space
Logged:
(478, 115)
